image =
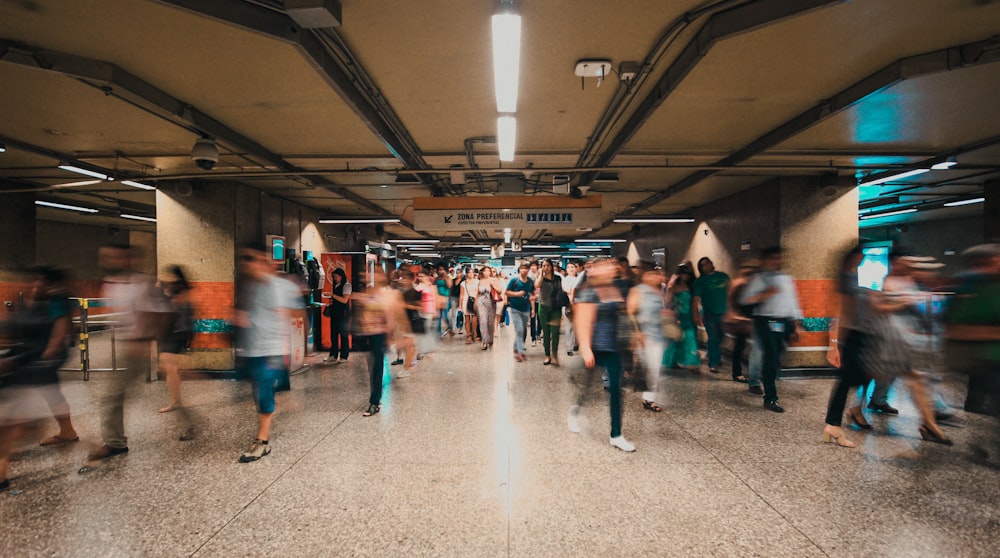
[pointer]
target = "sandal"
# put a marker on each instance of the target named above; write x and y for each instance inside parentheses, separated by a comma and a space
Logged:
(372, 410)
(169, 408)
(468, 340)
(547, 362)
(741, 379)
(58, 440)
(652, 406)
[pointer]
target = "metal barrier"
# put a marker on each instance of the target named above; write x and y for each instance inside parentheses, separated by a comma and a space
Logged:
(85, 323)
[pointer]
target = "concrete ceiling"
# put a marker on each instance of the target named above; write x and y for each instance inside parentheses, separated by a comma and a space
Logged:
(730, 94)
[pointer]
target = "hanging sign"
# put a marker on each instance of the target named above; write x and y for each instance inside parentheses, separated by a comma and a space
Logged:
(499, 212)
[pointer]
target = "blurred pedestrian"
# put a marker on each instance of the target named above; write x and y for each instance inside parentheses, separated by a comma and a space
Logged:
(175, 344)
(378, 316)
(708, 293)
(266, 343)
(737, 321)
(600, 313)
(647, 309)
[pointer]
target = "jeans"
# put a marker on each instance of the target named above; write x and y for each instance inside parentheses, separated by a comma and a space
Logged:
(773, 347)
(713, 327)
(611, 362)
(442, 321)
(376, 367)
(570, 333)
(520, 320)
(339, 338)
(453, 308)
(265, 373)
(550, 320)
(535, 326)
(756, 360)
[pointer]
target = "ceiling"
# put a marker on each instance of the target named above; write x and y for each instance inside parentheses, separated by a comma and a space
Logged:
(359, 119)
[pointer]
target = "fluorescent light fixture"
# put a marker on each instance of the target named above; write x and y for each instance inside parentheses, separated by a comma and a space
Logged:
(585, 249)
(506, 59)
(547, 256)
(86, 172)
(890, 214)
(137, 217)
(506, 137)
(135, 184)
(965, 202)
(427, 255)
(417, 247)
(892, 177)
(414, 241)
(356, 220)
(541, 246)
(600, 240)
(65, 206)
(80, 183)
(654, 220)
(471, 246)
(945, 165)
(3, 148)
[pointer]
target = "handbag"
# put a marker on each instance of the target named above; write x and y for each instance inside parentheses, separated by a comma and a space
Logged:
(459, 319)
(495, 295)
(672, 329)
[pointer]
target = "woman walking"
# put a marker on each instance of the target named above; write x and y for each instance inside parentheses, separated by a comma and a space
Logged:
(178, 340)
(486, 307)
(548, 285)
(646, 308)
(470, 289)
(684, 352)
(599, 307)
(378, 314)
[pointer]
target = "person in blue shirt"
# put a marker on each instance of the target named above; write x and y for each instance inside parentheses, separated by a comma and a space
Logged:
(520, 295)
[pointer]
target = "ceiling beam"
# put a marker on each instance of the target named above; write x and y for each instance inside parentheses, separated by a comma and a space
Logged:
(722, 25)
(948, 59)
(280, 26)
(121, 84)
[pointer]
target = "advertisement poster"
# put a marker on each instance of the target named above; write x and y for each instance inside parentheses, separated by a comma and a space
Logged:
(329, 263)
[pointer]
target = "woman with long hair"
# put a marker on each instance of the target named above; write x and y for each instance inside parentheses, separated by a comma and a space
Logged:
(549, 315)
(486, 307)
(683, 352)
(467, 298)
(339, 311)
(646, 308)
(178, 340)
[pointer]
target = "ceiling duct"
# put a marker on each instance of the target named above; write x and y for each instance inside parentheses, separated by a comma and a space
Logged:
(314, 14)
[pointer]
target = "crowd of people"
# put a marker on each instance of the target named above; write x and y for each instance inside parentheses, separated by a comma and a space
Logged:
(628, 322)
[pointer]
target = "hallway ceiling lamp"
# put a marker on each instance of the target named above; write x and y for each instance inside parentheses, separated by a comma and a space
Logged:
(3, 148)
(889, 213)
(945, 165)
(139, 185)
(414, 241)
(506, 137)
(85, 172)
(599, 240)
(964, 202)
(655, 219)
(586, 249)
(66, 207)
(506, 55)
(356, 220)
(892, 177)
(137, 217)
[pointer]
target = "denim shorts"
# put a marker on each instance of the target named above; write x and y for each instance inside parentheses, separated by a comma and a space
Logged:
(265, 372)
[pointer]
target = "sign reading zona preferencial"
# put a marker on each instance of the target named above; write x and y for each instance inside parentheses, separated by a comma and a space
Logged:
(515, 212)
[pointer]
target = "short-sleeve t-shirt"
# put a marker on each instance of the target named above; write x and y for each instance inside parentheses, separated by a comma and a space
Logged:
(713, 291)
(268, 334)
(521, 303)
(605, 335)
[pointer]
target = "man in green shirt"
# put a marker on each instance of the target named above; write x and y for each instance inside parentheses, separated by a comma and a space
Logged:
(710, 292)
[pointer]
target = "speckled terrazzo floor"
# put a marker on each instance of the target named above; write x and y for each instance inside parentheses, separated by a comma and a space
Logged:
(471, 457)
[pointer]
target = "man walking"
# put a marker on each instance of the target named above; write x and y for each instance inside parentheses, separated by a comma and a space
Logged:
(775, 311)
(709, 292)
(519, 299)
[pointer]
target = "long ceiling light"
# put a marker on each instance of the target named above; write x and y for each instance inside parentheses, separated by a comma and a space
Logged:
(506, 56)
(585, 249)
(654, 220)
(414, 241)
(892, 177)
(65, 206)
(140, 185)
(356, 220)
(85, 172)
(890, 213)
(965, 202)
(137, 217)
(599, 240)
(506, 137)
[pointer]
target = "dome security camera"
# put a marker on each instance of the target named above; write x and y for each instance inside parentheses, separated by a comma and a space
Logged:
(205, 154)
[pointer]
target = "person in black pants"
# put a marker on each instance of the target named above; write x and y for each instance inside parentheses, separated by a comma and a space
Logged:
(340, 298)
(855, 312)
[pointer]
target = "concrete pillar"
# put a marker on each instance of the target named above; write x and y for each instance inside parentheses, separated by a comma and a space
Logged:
(991, 211)
(817, 224)
(195, 229)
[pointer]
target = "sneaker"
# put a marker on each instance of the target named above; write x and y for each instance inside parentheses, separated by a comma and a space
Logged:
(756, 390)
(397, 362)
(257, 450)
(331, 360)
(713, 370)
(883, 408)
(403, 374)
(621, 443)
(773, 406)
(105, 452)
(571, 420)
(534, 342)
(569, 353)
(519, 357)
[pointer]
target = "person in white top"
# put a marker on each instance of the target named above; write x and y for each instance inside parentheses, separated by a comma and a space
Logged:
(775, 313)
(569, 283)
(467, 298)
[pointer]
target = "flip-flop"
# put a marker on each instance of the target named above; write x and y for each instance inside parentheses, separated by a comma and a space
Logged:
(58, 440)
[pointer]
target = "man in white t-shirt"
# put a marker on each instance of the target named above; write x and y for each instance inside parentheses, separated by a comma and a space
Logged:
(569, 283)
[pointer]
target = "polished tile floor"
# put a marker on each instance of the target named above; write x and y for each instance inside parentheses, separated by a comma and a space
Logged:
(471, 457)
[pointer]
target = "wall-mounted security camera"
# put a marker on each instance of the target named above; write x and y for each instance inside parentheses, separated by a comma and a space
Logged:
(205, 154)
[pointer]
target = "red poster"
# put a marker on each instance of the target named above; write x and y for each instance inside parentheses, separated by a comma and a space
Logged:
(329, 263)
